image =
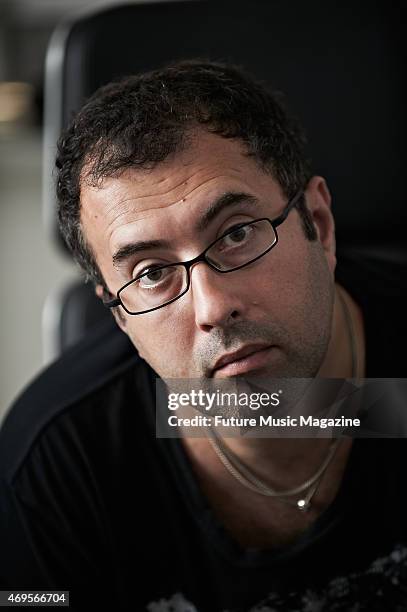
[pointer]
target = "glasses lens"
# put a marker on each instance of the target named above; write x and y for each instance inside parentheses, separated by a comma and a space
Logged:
(154, 288)
(242, 245)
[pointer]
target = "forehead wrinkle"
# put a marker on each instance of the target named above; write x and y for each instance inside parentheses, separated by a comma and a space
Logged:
(149, 195)
(182, 182)
(129, 209)
(142, 216)
(167, 177)
(207, 169)
(157, 207)
(214, 178)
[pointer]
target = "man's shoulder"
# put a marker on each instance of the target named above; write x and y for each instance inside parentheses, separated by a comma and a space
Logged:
(85, 388)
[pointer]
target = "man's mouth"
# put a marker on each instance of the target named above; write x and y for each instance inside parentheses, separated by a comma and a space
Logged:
(246, 359)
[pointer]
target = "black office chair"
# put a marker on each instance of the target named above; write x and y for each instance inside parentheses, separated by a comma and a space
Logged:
(341, 66)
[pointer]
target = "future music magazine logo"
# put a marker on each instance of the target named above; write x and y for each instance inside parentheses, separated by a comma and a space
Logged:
(249, 406)
(282, 407)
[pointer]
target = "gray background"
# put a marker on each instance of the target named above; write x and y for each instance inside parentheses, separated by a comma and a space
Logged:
(31, 267)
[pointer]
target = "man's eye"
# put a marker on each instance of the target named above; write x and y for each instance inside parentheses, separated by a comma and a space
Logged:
(143, 268)
(239, 235)
(149, 271)
(153, 277)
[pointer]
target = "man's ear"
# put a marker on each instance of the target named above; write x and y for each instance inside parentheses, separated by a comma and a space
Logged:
(319, 204)
(117, 314)
(99, 291)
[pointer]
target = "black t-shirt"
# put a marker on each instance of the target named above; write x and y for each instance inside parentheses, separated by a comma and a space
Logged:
(92, 502)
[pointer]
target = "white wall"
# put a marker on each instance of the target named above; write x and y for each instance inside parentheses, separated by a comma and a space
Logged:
(30, 266)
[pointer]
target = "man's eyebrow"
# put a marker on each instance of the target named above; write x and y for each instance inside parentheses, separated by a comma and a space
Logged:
(230, 198)
(226, 200)
(129, 250)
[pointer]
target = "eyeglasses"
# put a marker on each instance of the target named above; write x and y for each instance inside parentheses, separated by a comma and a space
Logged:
(240, 246)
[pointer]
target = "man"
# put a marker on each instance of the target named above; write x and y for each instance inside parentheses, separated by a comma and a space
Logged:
(198, 163)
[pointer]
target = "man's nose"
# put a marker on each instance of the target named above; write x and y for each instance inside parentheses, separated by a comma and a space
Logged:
(217, 298)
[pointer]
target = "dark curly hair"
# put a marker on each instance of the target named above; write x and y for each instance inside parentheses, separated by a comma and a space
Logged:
(140, 120)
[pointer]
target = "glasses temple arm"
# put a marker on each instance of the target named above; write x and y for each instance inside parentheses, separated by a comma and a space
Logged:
(111, 303)
(293, 202)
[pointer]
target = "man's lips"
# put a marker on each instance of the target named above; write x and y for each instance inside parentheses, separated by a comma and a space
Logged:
(250, 357)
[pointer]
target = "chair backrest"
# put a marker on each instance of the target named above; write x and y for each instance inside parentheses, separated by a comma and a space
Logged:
(340, 64)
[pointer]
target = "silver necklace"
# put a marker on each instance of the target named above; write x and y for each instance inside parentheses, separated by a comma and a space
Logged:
(249, 480)
(240, 471)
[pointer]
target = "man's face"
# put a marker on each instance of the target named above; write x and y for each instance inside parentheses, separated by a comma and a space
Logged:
(278, 308)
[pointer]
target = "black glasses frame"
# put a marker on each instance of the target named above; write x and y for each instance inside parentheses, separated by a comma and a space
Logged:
(202, 257)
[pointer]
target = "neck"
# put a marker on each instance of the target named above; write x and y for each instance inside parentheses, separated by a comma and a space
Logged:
(347, 328)
(286, 462)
